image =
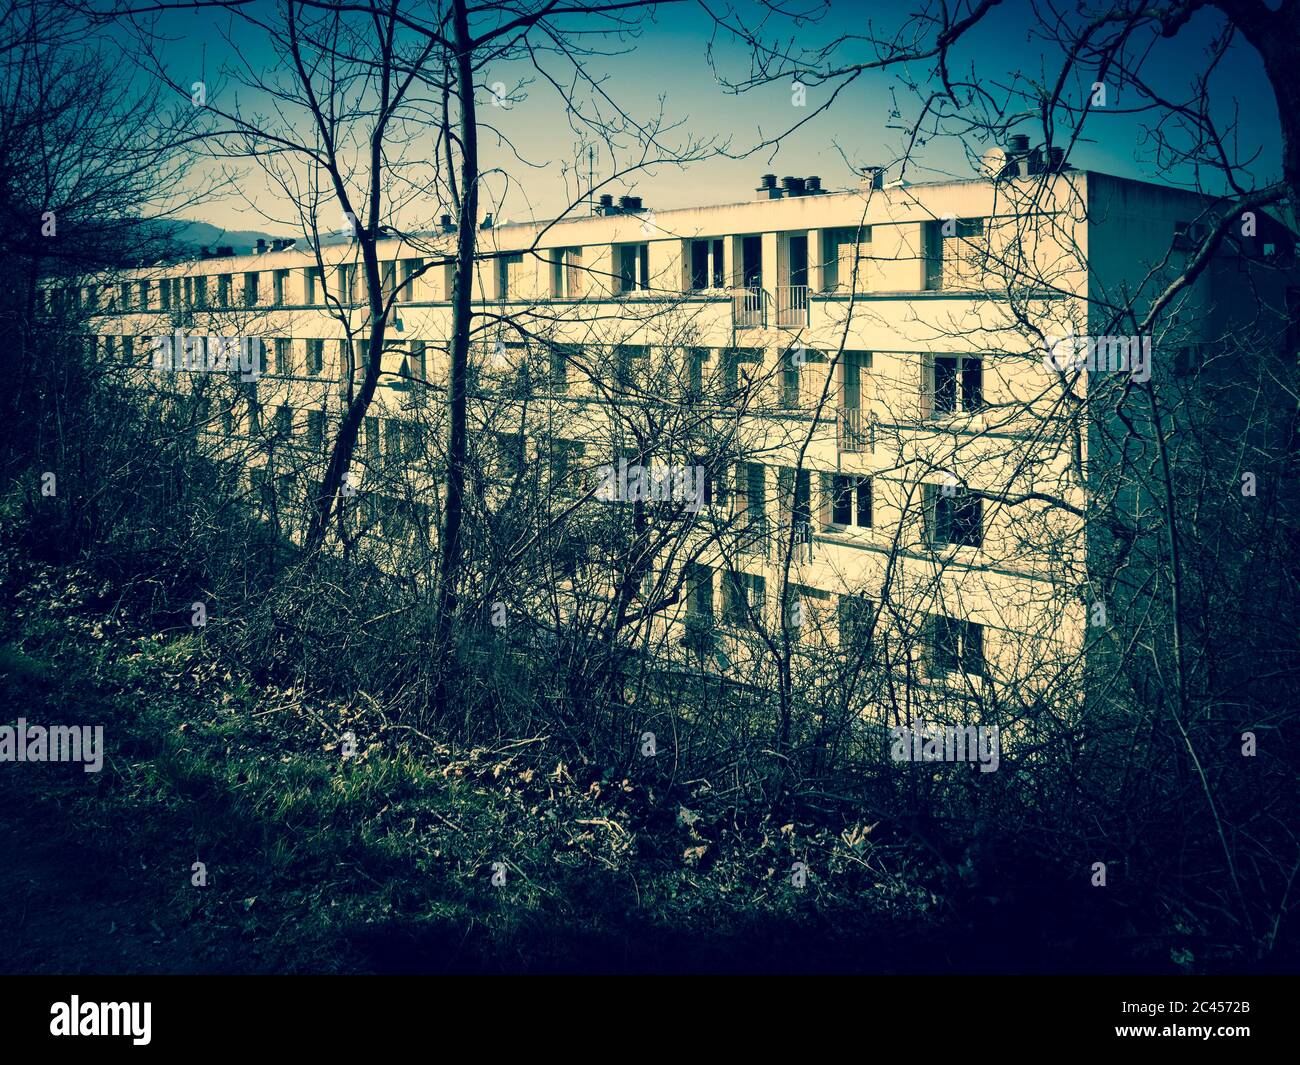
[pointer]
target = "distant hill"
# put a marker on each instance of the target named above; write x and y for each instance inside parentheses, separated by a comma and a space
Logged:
(197, 235)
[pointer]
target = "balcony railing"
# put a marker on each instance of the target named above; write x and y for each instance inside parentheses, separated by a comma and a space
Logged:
(748, 308)
(792, 306)
(854, 430)
(803, 541)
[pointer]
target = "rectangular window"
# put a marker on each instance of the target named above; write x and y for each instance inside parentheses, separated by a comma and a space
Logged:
(165, 294)
(250, 289)
(387, 280)
(315, 356)
(752, 494)
(699, 590)
(558, 376)
(223, 290)
(414, 366)
(955, 646)
(279, 284)
(283, 356)
(695, 359)
(629, 364)
(956, 385)
(945, 386)
(796, 497)
(573, 275)
(842, 501)
(315, 428)
(284, 420)
(790, 385)
(953, 515)
(954, 251)
(857, 615)
(509, 269)
(372, 439)
(411, 277)
(633, 267)
(706, 264)
(393, 438)
(862, 503)
(844, 254)
(742, 597)
(565, 461)
(566, 267)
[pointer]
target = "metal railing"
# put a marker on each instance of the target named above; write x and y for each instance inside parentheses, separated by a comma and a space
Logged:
(854, 430)
(792, 305)
(748, 308)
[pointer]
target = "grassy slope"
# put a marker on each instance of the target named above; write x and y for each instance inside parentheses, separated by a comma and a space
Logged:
(383, 862)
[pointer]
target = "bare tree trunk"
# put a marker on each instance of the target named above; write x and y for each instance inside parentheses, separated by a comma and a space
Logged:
(458, 372)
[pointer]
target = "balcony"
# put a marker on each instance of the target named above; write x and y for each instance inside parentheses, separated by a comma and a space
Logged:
(853, 430)
(792, 306)
(748, 308)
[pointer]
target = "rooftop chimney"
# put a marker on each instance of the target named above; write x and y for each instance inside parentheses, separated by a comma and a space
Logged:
(1018, 142)
(873, 177)
(261, 245)
(793, 186)
(204, 253)
(607, 204)
(813, 185)
(767, 189)
(1056, 160)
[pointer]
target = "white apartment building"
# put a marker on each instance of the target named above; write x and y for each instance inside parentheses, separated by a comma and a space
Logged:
(864, 368)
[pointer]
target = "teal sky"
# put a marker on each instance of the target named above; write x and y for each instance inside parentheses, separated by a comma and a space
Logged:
(669, 61)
